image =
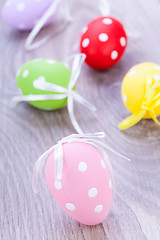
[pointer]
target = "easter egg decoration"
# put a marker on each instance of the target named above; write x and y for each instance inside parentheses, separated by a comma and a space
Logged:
(78, 174)
(49, 85)
(23, 15)
(103, 41)
(32, 15)
(141, 93)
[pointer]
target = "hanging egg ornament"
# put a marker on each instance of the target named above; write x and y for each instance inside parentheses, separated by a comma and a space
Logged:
(23, 15)
(103, 41)
(141, 93)
(79, 180)
(38, 77)
(49, 85)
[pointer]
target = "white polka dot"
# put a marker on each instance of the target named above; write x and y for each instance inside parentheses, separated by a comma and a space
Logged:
(21, 26)
(85, 42)
(132, 72)
(123, 41)
(156, 77)
(124, 97)
(98, 208)
(51, 61)
(20, 7)
(103, 37)
(92, 192)
(70, 206)
(110, 183)
(114, 54)
(82, 166)
(157, 67)
(84, 29)
(25, 73)
(107, 21)
(58, 184)
(103, 164)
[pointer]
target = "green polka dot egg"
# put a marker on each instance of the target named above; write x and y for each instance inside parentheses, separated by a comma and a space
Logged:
(38, 77)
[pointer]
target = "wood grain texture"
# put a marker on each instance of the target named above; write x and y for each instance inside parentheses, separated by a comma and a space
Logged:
(27, 132)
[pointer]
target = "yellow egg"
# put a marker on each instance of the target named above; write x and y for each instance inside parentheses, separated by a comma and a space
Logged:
(141, 93)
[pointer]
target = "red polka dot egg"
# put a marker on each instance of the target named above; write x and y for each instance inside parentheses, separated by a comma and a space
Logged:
(103, 41)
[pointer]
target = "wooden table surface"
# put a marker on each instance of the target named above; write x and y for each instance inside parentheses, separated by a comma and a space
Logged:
(27, 132)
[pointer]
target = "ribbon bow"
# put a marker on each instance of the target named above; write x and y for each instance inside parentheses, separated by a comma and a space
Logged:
(62, 93)
(150, 102)
(29, 45)
(90, 138)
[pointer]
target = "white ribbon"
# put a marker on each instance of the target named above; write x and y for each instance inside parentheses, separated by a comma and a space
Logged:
(91, 138)
(61, 92)
(29, 45)
(104, 7)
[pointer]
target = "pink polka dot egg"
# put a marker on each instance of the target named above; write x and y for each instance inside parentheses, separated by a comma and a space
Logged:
(24, 14)
(85, 190)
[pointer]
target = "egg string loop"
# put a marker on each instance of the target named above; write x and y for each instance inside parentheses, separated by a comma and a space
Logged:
(61, 92)
(29, 45)
(104, 7)
(150, 102)
(89, 138)
(105, 10)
